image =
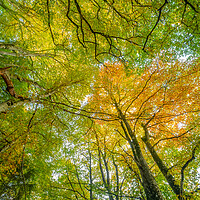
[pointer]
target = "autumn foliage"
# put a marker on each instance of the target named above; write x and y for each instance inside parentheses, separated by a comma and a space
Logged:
(165, 96)
(96, 101)
(156, 106)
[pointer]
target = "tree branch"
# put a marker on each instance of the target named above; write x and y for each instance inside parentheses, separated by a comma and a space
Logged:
(159, 15)
(49, 24)
(169, 138)
(188, 3)
(10, 86)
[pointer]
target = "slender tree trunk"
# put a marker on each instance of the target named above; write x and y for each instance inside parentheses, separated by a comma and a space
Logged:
(106, 183)
(117, 179)
(90, 175)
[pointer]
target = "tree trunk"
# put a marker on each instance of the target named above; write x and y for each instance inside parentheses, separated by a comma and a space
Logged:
(5, 106)
(150, 186)
(163, 168)
(90, 176)
(117, 179)
(106, 183)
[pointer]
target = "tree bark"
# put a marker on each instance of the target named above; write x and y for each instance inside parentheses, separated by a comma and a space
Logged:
(150, 186)
(117, 179)
(163, 168)
(90, 176)
(5, 106)
(106, 183)
(18, 51)
(8, 82)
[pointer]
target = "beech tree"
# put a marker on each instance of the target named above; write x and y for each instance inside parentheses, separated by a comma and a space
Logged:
(154, 107)
(99, 99)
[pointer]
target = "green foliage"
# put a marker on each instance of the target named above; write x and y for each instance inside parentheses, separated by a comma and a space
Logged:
(52, 143)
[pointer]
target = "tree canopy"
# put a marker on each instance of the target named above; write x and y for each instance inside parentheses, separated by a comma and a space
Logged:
(99, 99)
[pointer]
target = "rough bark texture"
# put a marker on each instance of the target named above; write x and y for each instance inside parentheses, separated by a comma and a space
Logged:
(5, 106)
(150, 186)
(163, 168)
(18, 51)
(10, 87)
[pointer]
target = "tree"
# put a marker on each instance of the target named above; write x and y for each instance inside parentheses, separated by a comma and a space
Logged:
(50, 55)
(157, 102)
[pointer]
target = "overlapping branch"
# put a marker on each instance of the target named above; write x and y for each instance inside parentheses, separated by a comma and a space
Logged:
(158, 19)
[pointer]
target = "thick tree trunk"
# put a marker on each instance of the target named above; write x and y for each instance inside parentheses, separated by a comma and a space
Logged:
(5, 106)
(163, 168)
(18, 51)
(150, 186)
(10, 87)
